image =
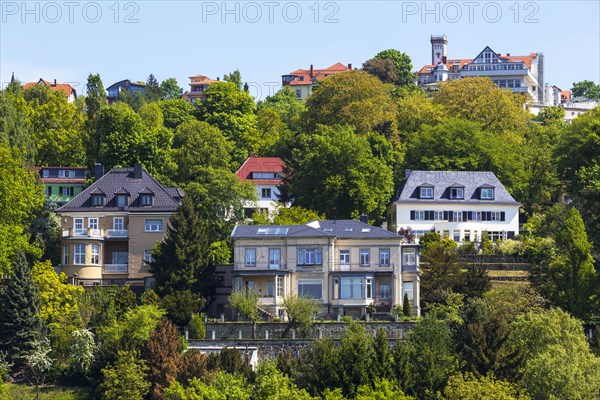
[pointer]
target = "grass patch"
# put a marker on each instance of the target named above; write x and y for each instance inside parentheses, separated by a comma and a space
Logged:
(24, 392)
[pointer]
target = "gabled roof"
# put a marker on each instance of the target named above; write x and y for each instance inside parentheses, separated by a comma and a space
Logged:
(260, 164)
(126, 83)
(55, 87)
(443, 180)
(119, 179)
(317, 74)
(340, 229)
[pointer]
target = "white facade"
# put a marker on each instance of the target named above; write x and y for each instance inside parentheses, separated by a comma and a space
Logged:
(268, 198)
(460, 205)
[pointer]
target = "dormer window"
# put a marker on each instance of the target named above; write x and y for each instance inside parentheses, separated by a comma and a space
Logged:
(457, 193)
(97, 200)
(121, 200)
(146, 200)
(487, 194)
(426, 192)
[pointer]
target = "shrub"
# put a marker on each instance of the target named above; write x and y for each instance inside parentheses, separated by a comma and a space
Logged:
(197, 328)
(406, 306)
(126, 378)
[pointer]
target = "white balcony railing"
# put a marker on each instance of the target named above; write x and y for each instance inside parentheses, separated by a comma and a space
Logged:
(117, 233)
(115, 268)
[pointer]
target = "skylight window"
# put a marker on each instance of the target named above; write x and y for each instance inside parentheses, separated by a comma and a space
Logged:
(365, 230)
(272, 231)
(328, 230)
(348, 229)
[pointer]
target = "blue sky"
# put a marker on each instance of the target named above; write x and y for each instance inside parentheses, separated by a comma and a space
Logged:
(66, 40)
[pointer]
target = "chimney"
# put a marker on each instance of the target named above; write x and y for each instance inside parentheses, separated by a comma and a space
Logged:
(508, 54)
(218, 78)
(54, 82)
(98, 171)
(311, 70)
(364, 218)
(138, 171)
(350, 66)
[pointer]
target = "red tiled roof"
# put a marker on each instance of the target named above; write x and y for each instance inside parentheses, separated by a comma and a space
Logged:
(63, 87)
(316, 73)
(260, 164)
(566, 94)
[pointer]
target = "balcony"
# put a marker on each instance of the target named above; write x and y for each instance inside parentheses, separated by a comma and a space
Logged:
(117, 233)
(364, 267)
(95, 233)
(260, 267)
(115, 268)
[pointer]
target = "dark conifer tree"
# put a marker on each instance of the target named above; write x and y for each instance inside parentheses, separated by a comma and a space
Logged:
(181, 259)
(19, 319)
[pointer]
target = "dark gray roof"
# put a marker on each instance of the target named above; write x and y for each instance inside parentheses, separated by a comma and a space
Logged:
(341, 229)
(252, 231)
(117, 181)
(352, 229)
(442, 181)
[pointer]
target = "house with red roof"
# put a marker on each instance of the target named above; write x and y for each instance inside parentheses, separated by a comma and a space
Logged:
(198, 84)
(520, 74)
(303, 81)
(69, 92)
(266, 174)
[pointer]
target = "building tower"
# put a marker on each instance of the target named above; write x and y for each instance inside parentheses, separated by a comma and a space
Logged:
(438, 49)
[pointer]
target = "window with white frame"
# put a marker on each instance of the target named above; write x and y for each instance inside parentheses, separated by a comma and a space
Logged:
(344, 257)
(310, 256)
(45, 173)
(476, 215)
(148, 258)
(365, 257)
(426, 192)
(250, 257)
(384, 256)
(95, 254)
(419, 215)
(93, 223)
(65, 254)
(97, 200)
(78, 225)
(67, 191)
(438, 215)
(487, 193)
(456, 235)
(121, 200)
(409, 256)
(271, 288)
(118, 223)
(265, 193)
(457, 216)
(495, 216)
(407, 288)
(350, 288)
(279, 286)
(369, 288)
(146, 200)
(153, 225)
(274, 258)
(312, 288)
(79, 253)
(457, 193)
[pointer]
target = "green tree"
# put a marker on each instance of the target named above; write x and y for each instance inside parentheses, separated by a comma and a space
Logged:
(46, 232)
(81, 351)
(334, 172)
(123, 136)
(355, 98)
(234, 77)
(271, 384)
(153, 91)
(176, 112)
(58, 131)
(300, 312)
(355, 359)
(381, 389)
(170, 90)
(402, 64)
(551, 116)
(548, 341)
(383, 366)
(430, 349)
(481, 101)
(468, 387)
(19, 318)
(232, 111)
(382, 68)
(181, 258)
(295, 215)
(319, 368)
(15, 126)
(95, 101)
(58, 300)
(40, 363)
(286, 103)
(125, 379)
(587, 89)
(181, 305)
(245, 302)
(406, 306)
(441, 272)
